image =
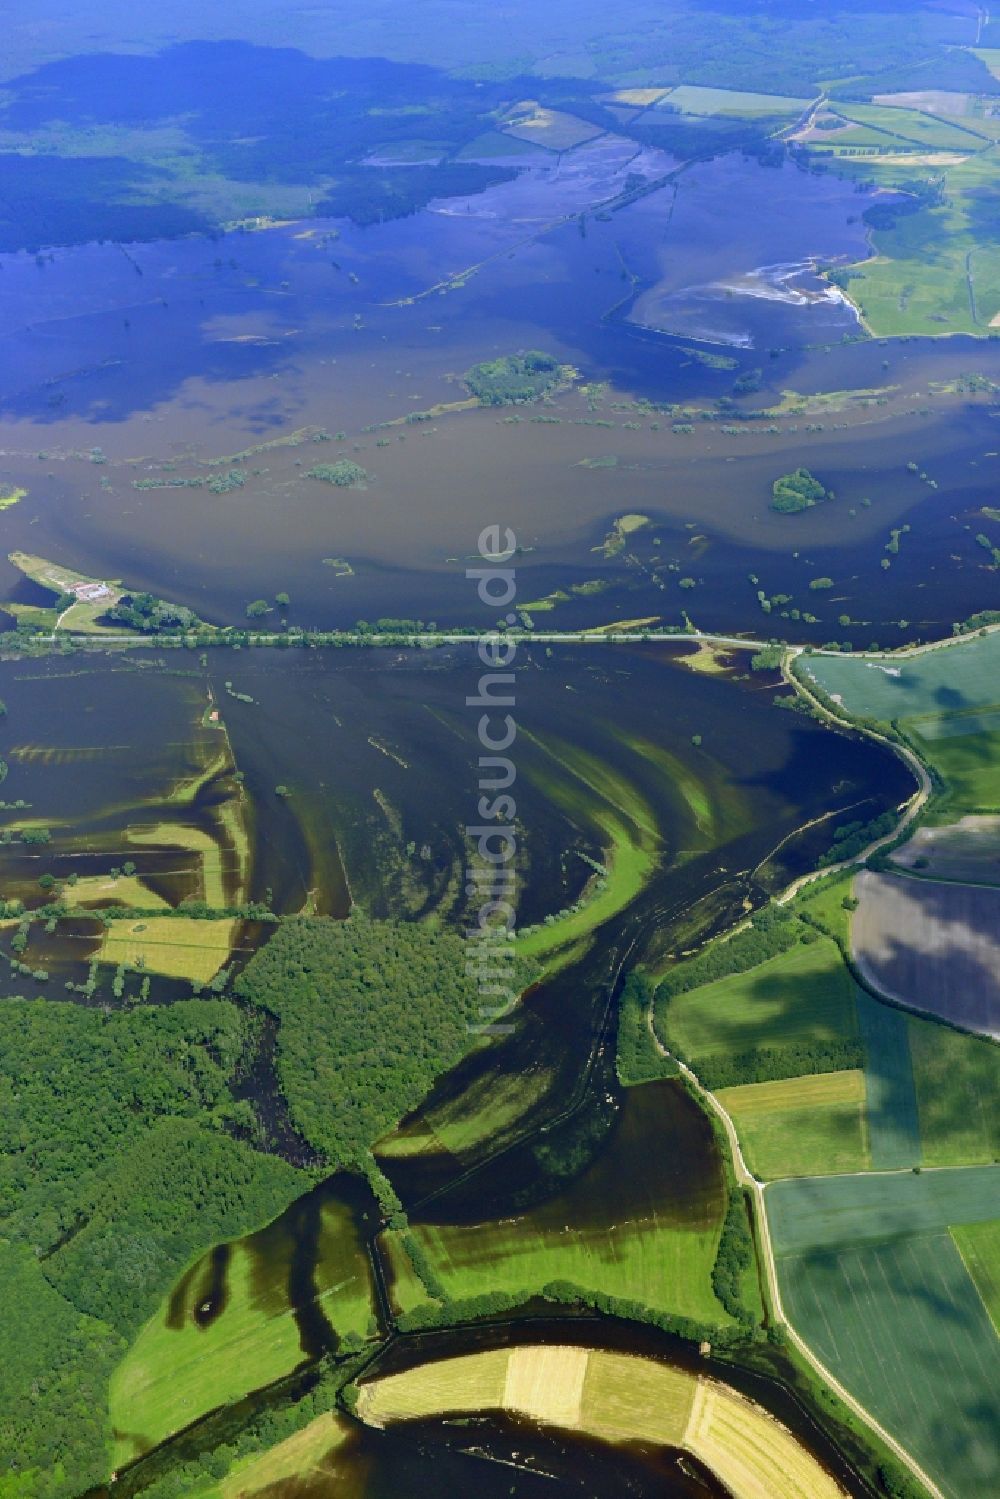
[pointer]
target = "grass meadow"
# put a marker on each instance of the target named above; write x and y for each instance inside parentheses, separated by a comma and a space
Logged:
(664, 1266)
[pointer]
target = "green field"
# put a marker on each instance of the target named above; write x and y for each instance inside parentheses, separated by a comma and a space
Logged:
(969, 762)
(692, 100)
(901, 1323)
(177, 1369)
(893, 1124)
(948, 699)
(801, 1126)
(666, 1267)
(648, 1234)
(957, 1080)
(912, 127)
(801, 997)
(934, 270)
(979, 1246)
(824, 1214)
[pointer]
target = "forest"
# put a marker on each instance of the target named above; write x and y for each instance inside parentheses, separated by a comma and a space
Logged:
(115, 1169)
(370, 1012)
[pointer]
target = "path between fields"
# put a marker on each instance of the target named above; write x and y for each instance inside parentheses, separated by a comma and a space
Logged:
(746, 1178)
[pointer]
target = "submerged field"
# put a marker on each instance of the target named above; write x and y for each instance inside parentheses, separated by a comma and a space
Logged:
(244, 1315)
(649, 1237)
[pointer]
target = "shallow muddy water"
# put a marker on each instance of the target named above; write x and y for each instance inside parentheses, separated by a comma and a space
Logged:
(180, 353)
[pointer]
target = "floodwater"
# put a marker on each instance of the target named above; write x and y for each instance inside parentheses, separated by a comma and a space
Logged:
(377, 751)
(148, 364)
(134, 375)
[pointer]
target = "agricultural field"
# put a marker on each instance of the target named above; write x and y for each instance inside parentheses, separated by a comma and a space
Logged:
(934, 946)
(308, 1456)
(932, 272)
(692, 100)
(236, 1320)
(956, 1079)
(649, 1236)
(802, 998)
(551, 128)
(867, 1266)
(979, 1246)
(947, 699)
(801, 1126)
(891, 1109)
(618, 1397)
(666, 1267)
(967, 851)
(912, 127)
(872, 1313)
(968, 758)
(834, 1212)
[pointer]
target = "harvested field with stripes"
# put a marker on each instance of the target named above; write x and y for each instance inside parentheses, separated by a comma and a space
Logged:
(930, 945)
(619, 1398)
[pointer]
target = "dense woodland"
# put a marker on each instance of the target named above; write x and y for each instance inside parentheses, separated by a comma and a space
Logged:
(115, 1169)
(142, 611)
(53, 1386)
(638, 1059)
(371, 1013)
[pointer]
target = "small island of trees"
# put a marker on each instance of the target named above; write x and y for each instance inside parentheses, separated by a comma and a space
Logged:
(799, 490)
(514, 379)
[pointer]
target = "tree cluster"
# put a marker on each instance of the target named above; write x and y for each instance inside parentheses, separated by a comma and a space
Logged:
(371, 1013)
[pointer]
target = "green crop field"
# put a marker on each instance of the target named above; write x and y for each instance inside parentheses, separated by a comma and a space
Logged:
(177, 1370)
(893, 1124)
(969, 762)
(912, 127)
(979, 1246)
(902, 1325)
(933, 271)
(801, 1126)
(826, 1213)
(692, 100)
(957, 1078)
(664, 1266)
(801, 996)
